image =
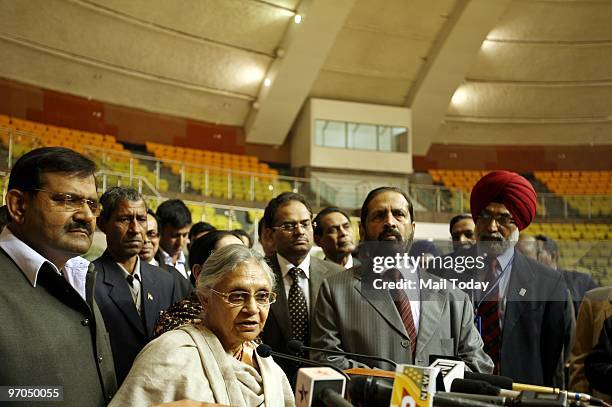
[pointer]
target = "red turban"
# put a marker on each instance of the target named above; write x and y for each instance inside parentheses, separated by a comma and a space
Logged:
(508, 188)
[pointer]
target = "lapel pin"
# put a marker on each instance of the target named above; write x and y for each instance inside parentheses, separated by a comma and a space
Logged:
(149, 297)
(522, 292)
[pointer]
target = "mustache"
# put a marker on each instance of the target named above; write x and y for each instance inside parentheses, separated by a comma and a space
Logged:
(390, 232)
(79, 225)
(492, 236)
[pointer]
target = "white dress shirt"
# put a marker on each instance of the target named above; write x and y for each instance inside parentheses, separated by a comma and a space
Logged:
(136, 287)
(27, 259)
(180, 265)
(285, 266)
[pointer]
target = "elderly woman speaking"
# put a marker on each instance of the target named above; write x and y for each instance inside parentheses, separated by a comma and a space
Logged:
(215, 361)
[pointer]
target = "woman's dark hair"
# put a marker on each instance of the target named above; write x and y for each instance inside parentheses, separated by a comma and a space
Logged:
(243, 233)
(200, 227)
(202, 248)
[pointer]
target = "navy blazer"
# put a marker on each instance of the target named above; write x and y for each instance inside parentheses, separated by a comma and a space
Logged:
(128, 332)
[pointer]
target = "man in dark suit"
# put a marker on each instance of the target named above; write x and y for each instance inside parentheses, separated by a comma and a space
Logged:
(50, 335)
(131, 293)
(288, 223)
(356, 313)
(577, 282)
(523, 315)
(334, 234)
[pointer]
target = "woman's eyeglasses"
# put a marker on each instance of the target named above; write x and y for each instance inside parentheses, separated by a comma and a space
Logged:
(240, 298)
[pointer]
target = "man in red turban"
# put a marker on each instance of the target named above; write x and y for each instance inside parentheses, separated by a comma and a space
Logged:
(523, 315)
(507, 188)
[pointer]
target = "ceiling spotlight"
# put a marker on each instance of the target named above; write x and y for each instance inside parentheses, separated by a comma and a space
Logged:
(297, 18)
(267, 82)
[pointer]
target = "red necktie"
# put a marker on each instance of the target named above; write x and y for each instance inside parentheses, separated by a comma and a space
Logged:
(488, 312)
(402, 303)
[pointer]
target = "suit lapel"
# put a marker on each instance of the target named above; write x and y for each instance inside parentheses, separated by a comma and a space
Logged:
(280, 309)
(520, 289)
(317, 274)
(119, 292)
(382, 303)
(150, 297)
(432, 306)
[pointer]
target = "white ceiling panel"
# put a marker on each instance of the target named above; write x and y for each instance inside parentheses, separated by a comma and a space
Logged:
(556, 20)
(528, 62)
(512, 101)
(253, 25)
(54, 72)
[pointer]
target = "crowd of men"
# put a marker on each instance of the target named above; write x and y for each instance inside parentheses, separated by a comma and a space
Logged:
(78, 325)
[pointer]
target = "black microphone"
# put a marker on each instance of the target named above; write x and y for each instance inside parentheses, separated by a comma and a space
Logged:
(265, 351)
(504, 382)
(297, 347)
(376, 391)
(480, 387)
(331, 398)
(508, 383)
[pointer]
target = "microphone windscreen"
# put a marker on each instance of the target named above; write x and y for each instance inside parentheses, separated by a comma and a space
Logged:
(264, 350)
(473, 387)
(504, 382)
(295, 346)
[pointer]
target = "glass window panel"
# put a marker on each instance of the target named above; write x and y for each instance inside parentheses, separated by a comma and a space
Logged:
(384, 138)
(399, 139)
(362, 136)
(334, 134)
(319, 124)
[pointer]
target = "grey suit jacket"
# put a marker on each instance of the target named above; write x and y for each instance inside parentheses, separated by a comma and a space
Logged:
(51, 336)
(349, 319)
(277, 331)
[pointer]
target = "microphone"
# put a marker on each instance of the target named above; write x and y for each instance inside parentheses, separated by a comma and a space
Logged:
(330, 398)
(481, 387)
(376, 391)
(297, 347)
(506, 382)
(450, 370)
(319, 386)
(414, 386)
(265, 351)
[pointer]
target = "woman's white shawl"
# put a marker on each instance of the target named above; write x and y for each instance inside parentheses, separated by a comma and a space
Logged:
(190, 363)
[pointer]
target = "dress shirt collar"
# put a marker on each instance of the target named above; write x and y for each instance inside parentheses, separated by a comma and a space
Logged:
(27, 259)
(168, 259)
(285, 265)
(505, 258)
(349, 262)
(136, 274)
(153, 262)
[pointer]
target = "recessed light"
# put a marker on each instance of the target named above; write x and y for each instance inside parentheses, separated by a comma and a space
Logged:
(297, 19)
(267, 82)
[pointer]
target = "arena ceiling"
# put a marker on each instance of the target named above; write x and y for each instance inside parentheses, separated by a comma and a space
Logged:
(473, 71)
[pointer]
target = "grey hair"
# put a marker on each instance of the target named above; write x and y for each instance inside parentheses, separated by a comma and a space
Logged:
(111, 198)
(227, 259)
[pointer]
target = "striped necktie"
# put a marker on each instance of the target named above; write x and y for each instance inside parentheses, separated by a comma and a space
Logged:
(402, 303)
(490, 329)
